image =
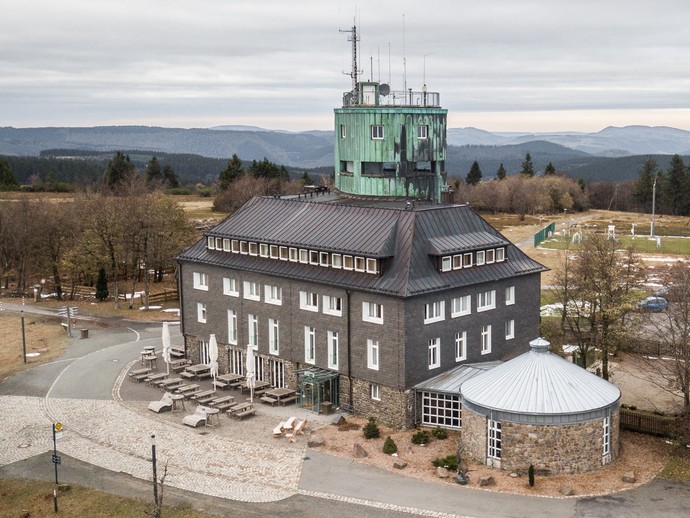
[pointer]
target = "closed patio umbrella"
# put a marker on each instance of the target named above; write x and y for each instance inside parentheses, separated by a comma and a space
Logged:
(250, 373)
(166, 345)
(213, 357)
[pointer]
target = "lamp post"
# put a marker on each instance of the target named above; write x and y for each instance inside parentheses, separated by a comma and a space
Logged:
(156, 509)
(23, 333)
(651, 229)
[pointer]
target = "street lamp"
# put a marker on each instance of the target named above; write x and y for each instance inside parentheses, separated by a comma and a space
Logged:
(156, 509)
(23, 333)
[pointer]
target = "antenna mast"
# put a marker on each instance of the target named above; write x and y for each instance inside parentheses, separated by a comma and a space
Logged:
(354, 73)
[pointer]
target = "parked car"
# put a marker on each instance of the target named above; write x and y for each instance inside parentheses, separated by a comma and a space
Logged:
(653, 303)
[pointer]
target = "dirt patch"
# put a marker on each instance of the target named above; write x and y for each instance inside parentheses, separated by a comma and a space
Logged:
(643, 455)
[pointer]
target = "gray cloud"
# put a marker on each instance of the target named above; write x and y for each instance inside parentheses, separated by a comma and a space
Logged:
(501, 65)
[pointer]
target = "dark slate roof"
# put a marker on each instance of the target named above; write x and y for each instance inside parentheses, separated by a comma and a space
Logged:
(402, 236)
(454, 244)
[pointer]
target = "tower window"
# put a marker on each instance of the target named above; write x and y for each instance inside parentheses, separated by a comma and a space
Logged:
(377, 132)
(423, 131)
(343, 131)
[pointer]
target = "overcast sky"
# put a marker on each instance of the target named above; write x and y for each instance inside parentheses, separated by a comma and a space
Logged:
(499, 65)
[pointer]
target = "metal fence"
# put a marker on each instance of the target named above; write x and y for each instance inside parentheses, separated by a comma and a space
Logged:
(649, 423)
(544, 233)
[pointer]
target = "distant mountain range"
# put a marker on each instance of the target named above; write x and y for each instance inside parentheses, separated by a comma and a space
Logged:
(610, 154)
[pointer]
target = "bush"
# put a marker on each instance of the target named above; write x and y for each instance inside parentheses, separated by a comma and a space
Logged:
(439, 433)
(450, 462)
(371, 430)
(389, 447)
(101, 285)
(421, 437)
(530, 474)
(179, 191)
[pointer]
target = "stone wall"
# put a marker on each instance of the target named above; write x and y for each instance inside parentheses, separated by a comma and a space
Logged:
(395, 408)
(566, 448)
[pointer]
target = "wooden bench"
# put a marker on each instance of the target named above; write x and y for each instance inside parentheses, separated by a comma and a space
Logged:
(269, 399)
(176, 352)
(220, 384)
(203, 375)
(287, 400)
(244, 413)
(140, 377)
(225, 406)
(187, 375)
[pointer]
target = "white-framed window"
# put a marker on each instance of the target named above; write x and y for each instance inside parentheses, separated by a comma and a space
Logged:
(324, 259)
(500, 254)
(237, 361)
(230, 287)
(373, 354)
(348, 262)
(343, 131)
(252, 291)
(493, 450)
(359, 264)
(263, 250)
(376, 132)
(284, 253)
(273, 336)
(203, 352)
(273, 295)
(200, 281)
(510, 295)
(439, 409)
(308, 300)
(219, 243)
(226, 244)
(446, 264)
(303, 256)
(333, 350)
(309, 345)
(467, 260)
(336, 261)
(457, 262)
(480, 257)
(434, 353)
(276, 368)
(244, 247)
(253, 248)
(606, 442)
(434, 312)
(274, 252)
(423, 131)
(253, 330)
(294, 255)
(486, 339)
(372, 265)
(313, 257)
(460, 346)
(201, 312)
(332, 305)
(232, 327)
(235, 246)
(510, 329)
(490, 256)
(375, 391)
(372, 312)
(486, 300)
(210, 243)
(461, 306)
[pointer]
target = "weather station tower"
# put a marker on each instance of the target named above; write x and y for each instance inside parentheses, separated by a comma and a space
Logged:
(389, 144)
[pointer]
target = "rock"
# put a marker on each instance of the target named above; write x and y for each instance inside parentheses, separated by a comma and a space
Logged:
(486, 480)
(400, 464)
(514, 475)
(442, 472)
(359, 452)
(315, 440)
(338, 419)
(461, 479)
(567, 489)
(63, 488)
(629, 477)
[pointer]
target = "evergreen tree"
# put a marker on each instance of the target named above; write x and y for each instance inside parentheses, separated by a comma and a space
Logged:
(101, 285)
(154, 173)
(170, 177)
(475, 174)
(550, 169)
(527, 166)
(642, 192)
(677, 188)
(231, 172)
(305, 179)
(7, 179)
(119, 171)
(501, 172)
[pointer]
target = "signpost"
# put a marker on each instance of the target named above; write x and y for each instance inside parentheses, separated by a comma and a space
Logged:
(57, 434)
(69, 312)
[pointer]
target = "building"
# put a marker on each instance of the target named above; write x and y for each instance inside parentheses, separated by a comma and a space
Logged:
(371, 299)
(540, 409)
(357, 297)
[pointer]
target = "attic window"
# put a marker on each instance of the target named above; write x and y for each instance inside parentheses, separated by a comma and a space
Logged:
(219, 243)
(263, 250)
(226, 245)
(235, 246)
(293, 255)
(253, 249)
(284, 253)
(274, 252)
(359, 264)
(446, 264)
(500, 254)
(348, 263)
(372, 265)
(337, 261)
(244, 247)
(211, 243)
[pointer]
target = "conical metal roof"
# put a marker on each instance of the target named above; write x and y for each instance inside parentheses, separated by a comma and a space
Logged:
(540, 383)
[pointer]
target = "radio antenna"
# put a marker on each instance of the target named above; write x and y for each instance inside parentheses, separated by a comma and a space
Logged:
(354, 73)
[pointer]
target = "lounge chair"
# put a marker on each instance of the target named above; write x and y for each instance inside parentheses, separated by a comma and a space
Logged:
(278, 430)
(165, 403)
(197, 418)
(298, 429)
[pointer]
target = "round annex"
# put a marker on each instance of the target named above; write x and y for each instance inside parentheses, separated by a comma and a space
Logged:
(543, 410)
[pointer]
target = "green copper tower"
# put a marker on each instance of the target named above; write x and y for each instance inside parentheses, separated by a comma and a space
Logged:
(389, 143)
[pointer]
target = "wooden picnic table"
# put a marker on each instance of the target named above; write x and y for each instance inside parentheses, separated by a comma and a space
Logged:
(281, 395)
(152, 378)
(230, 377)
(170, 382)
(188, 389)
(203, 393)
(151, 359)
(258, 385)
(197, 371)
(139, 374)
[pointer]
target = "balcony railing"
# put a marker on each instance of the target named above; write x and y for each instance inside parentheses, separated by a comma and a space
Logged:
(418, 99)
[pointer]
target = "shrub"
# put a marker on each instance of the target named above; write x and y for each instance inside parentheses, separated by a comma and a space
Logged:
(530, 474)
(179, 191)
(439, 433)
(101, 285)
(450, 462)
(389, 446)
(371, 430)
(421, 437)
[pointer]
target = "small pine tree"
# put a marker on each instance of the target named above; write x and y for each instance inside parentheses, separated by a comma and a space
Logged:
(530, 474)
(389, 446)
(475, 174)
(501, 172)
(101, 285)
(527, 166)
(371, 430)
(421, 437)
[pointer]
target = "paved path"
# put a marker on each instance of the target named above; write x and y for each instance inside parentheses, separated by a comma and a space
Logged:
(238, 461)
